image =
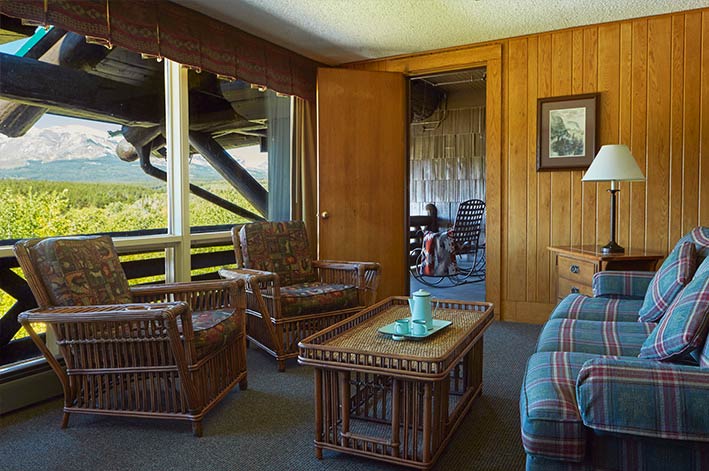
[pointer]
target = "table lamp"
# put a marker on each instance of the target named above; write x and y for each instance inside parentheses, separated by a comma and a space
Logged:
(613, 163)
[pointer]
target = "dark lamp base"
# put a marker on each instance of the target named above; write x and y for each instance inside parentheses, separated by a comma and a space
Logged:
(612, 247)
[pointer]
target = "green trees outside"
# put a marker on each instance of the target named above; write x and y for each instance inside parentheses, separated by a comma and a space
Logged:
(31, 208)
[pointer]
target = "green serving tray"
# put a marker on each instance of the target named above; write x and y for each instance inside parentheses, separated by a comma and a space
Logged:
(389, 329)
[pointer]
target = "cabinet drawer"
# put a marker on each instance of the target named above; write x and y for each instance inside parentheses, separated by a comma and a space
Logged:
(566, 287)
(576, 270)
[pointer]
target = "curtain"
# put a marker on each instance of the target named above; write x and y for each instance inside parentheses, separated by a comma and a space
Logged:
(304, 199)
(159, 28)
(279, 157)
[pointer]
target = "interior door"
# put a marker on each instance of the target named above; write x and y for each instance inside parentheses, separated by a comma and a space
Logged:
(362, 194)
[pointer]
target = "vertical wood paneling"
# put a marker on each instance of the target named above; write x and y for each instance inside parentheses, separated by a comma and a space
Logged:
(674, 229)
(609, 86)
(504, 164)
(590, 84)
(562, 45)
(638, 132)
(625, 123)
(517, 168)
(544, 89)
(576, 190)
(532, 175)
(653, 76)
(692, 90)
(704, 149)
(659, 46)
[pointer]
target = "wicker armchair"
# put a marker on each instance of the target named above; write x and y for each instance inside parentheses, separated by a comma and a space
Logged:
(290, 296)
(169, 351)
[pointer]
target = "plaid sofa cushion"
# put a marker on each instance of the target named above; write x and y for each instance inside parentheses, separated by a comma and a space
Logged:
(646, 398)
(316, 297)
(551, 423)
(628, 284)
(673, 275)
(625, 453)
(81, 271)
(578, 306)
(279, 247)
(599, 338)
(213, 330)
(699, 236)
(684, 328)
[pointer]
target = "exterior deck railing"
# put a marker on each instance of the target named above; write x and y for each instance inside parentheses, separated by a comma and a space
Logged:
(205, 264)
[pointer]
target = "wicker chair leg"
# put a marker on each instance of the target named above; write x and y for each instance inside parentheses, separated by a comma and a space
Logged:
(65, 420)
(244, 384)
(197, 428)
(281, 366)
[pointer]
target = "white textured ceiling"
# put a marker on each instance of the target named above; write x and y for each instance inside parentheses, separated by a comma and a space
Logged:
(338, 31)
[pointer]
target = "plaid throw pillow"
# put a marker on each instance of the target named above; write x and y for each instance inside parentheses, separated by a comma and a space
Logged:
(673, 275)
(684, 328)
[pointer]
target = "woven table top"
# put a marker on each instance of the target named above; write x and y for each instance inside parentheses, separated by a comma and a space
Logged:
(365, 337)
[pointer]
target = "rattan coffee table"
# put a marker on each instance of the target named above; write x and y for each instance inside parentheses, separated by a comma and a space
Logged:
(395, 401)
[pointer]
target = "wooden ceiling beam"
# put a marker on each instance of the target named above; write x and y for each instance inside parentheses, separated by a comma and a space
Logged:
(76, 93)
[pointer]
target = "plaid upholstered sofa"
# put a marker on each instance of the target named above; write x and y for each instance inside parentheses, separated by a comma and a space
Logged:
(620, 381)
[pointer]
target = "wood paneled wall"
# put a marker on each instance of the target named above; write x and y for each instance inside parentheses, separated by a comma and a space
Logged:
(653, 77)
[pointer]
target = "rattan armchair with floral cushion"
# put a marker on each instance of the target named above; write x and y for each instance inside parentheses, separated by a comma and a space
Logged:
(289, 295)
(169, 351)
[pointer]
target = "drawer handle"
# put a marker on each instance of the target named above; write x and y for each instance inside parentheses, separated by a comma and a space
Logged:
(574, 290)
(574, 269)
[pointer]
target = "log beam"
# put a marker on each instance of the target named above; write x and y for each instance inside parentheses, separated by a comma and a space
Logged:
(15, 118)
(76, 93)
(230, 169)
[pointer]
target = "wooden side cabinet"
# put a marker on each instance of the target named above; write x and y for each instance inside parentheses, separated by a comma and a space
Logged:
(575, 266)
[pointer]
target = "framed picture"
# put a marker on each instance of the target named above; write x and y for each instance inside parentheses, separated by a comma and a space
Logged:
(566, 131)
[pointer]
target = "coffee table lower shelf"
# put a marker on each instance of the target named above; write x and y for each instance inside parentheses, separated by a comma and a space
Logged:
(396, 416)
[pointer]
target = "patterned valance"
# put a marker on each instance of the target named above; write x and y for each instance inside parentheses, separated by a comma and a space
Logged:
(159, 28)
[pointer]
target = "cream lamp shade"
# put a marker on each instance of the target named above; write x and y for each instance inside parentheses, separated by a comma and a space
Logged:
(613, 163)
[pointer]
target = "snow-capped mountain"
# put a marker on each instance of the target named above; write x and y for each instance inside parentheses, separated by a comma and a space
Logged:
(71, 142)
(75, 152)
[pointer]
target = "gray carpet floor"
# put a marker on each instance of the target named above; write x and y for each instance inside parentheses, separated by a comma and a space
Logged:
(268, 427)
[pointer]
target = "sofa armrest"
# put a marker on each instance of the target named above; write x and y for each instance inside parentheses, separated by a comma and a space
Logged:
(628, 284)
(645, 398)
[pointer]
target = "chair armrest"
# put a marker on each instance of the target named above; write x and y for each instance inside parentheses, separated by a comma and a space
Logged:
(249, 275)
(629, 284)
(644, 397)
(263, 289)
(363, 275)
(104, 313)
(199, 295)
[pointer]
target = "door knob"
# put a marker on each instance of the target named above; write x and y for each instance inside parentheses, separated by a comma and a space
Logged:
(324, 215)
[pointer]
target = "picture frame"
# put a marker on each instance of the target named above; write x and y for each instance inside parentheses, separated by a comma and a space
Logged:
(567, 129)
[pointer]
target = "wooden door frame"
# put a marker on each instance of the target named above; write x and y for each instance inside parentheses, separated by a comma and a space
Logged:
(451, 60)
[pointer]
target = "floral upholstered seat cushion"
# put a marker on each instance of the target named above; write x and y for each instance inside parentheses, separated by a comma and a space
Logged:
(315, 297)
(279, 247)
(81, 271)
(213, 330)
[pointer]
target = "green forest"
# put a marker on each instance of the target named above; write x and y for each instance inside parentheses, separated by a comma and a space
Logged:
(32, 208)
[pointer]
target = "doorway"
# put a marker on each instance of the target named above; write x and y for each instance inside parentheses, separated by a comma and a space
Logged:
(447, 166)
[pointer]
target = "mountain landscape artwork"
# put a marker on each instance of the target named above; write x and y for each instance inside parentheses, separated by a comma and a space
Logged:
(567, 132)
